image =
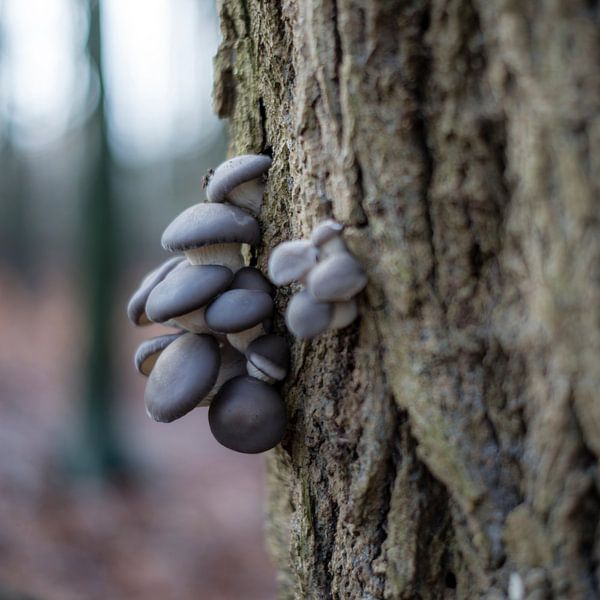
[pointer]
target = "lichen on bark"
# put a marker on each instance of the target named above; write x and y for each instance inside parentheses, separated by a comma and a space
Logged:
(446, 444)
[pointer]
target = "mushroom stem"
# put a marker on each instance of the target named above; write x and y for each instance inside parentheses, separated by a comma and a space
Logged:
(241, 339)
(343, 314)
(226, 255)
(333, 246)
(193, 321)
(232, 365)
(248, 195)
(258, 374)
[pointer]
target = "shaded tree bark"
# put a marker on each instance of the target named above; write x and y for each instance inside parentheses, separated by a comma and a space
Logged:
(446, 446)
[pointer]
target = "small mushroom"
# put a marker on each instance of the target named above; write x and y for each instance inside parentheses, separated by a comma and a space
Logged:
(181, 297)
(233, 364)
(268, 358)
(240, 181)
(339, 277)
(212, 234)
(250, 278)
(327, 237)
(306, 317)
(183, 375)
(344, 313)
(149, 351)
(240, 314)
(136, 308)
(247, 416)
(291, 261)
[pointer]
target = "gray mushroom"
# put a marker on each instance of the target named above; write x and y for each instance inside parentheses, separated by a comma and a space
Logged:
(327, 237)
(250, 278)
(212, 234)
(136, 308)
(338, 277)
(240, 181)
(183, 375)
(268, 358)
(247, 416)
(306, 317)
(149, 351)
(233, 364)
(291, 261)
(240, 314)
(344, 313)
(181, 297)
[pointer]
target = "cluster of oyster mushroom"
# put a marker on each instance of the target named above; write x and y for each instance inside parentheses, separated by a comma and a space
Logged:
(331, 279)
(223, 355)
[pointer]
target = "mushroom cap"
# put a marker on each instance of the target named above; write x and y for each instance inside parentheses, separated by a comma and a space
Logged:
(247, 416)
(290, 261)
(149, 349)
(183, 375)
(270, 354)
(136, 307)
(238, 310)
(337, 278)
(185, 290)
(306, 317)
(325, 231)
(210, 223)
(250, 278)
(235, 171)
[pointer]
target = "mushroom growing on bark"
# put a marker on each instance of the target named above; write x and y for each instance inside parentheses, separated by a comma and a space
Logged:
(268, 358)
(250, 278)
(181, 297)
(136, 308)
(327, 237)
(332, 275)
(240, 315)
(247, 416)
(149, 351)
(183, 375)
(338, 278)
(210, 291)
(306, 317)
(291, 261)
(233, 364)
(212, 234)
(240, 181)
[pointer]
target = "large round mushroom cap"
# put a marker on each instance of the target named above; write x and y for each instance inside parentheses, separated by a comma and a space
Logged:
(337, 278)
(250, 278)
(247, 416)
(149, 351)
(185, 290)
(210, 223)
(136, 309)
(306, 317)
(183, 375)
(235, 171)
(270, 354)
(238, 310)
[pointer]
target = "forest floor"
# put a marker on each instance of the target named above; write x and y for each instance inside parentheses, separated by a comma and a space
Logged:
(187, 523)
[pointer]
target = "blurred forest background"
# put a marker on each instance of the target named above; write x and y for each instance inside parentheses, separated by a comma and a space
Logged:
(106, 130)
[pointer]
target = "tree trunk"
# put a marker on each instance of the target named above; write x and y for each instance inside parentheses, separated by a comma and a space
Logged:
(446, 445)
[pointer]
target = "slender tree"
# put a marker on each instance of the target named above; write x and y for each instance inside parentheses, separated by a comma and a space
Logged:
(447, 445)
(99, 452)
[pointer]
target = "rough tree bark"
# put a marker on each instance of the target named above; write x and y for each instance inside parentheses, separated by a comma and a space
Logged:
(446, 446)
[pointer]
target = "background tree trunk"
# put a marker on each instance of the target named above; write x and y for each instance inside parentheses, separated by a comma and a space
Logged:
(446, 445)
